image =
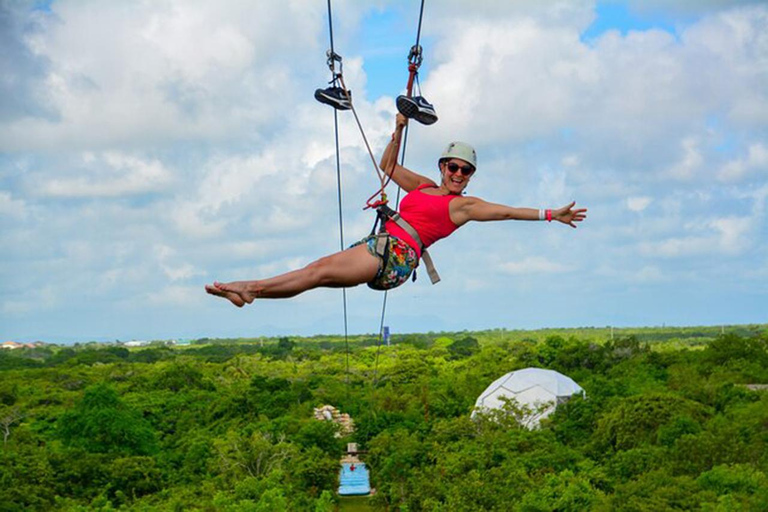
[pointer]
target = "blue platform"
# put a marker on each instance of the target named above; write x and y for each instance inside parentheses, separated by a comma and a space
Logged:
(354, 483)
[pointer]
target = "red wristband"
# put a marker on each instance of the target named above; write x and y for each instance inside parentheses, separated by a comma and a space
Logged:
(549, 215)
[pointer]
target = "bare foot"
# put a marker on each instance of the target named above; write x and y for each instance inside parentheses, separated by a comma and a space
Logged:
(244, 289)
(233, 297)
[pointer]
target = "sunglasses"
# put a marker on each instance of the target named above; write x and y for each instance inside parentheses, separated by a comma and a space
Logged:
(466, 170)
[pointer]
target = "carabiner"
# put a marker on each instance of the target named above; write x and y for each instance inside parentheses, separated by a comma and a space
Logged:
(415, 57)
(333, 57)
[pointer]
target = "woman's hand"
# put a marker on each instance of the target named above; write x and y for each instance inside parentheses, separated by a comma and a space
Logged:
(569, 215)
(400, 121)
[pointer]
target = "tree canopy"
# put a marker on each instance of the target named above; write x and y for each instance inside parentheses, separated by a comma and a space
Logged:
(668, 422)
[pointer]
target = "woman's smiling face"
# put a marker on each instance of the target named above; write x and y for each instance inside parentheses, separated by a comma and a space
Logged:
(456, 174)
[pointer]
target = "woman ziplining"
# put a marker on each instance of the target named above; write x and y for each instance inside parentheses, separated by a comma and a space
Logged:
(431, 211)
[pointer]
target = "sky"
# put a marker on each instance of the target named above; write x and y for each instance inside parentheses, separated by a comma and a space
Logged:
(149, 148)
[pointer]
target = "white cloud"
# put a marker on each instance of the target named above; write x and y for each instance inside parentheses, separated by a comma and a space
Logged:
(643, 275)
(10, 206)
(731, 47)
(553, 187)
(280, 266)
(648, 274)
(727, 235)
(518, 63)
(686, 7)
(759, 197)
(192, 221)
(175, 296)
(234, 179)
(691, 161)
(173, 269)
(111, 174)
(160, 72)
(187, 41)
(756, 161)
(638, 204)
(733, 233)
(676, 247)
(626, 99)
(182, 272)
(570, 161)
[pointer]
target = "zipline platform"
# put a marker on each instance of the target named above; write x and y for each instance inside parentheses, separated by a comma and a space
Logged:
(355, 480)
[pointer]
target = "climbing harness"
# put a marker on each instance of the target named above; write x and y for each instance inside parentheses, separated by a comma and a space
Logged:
(397, 261)
(385, 213)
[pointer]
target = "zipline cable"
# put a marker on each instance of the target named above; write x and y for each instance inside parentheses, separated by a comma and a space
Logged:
(341, 243)
(416, 49)
(421, 17)
(341, 215)
(330, 25)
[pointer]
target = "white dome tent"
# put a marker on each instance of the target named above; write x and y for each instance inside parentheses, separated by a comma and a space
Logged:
(536, 389)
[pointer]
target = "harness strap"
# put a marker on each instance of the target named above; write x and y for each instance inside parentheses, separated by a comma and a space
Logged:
(382, 246)
(431, 270)
(387, 212)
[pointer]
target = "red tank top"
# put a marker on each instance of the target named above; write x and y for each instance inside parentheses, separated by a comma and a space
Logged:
(429, 216)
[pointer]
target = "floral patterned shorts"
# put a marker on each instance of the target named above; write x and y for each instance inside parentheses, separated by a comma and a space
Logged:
(397, 263)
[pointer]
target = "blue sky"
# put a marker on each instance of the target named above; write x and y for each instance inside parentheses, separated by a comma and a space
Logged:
(147, 149)
(623, 18)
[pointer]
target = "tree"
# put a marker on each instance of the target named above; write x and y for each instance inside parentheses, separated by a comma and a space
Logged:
(180, 376)
(465, 347)
(730, 348)
(101, 423)
(320, 434)
(255, 455)
(636, 420)
(135, 476)
(563, 492)
(9, 416)
(314, 470)
(9, 393)
(325, 503)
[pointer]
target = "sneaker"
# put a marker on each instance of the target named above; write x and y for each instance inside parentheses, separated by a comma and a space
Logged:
(417, 108)
(335, 97)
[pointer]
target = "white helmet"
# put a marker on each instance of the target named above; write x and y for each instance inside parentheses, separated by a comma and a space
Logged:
(462, 151)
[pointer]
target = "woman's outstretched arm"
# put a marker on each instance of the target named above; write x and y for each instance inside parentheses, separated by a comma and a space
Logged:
(404, 177)
(465, 209)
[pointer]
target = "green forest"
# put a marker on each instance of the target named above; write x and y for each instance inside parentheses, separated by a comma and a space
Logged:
(672, 419)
